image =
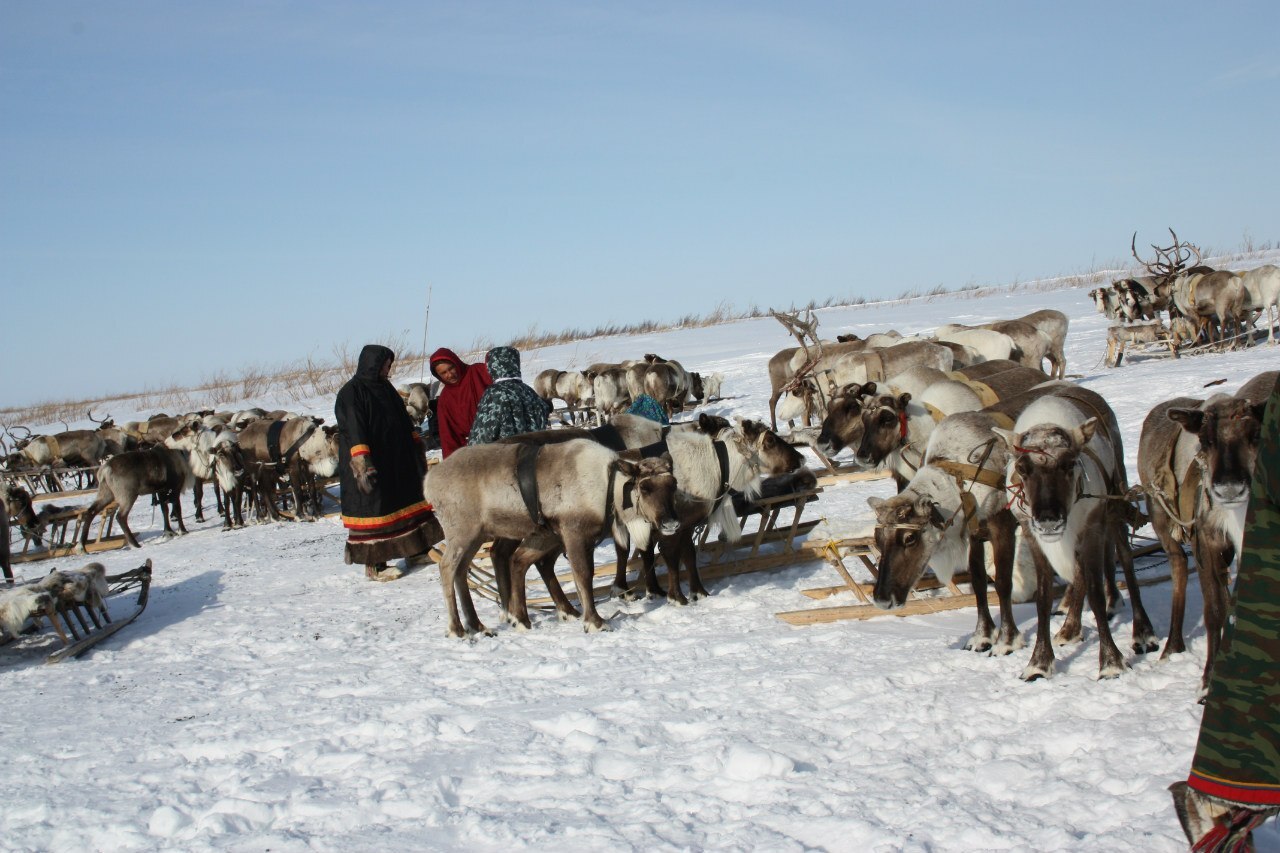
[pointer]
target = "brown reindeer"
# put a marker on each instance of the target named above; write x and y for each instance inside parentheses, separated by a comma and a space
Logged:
(1067, 480)
(582, 495)
(1196, 459)
(159, 471)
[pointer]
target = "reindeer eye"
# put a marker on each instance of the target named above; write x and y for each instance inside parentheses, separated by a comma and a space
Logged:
(909, 538)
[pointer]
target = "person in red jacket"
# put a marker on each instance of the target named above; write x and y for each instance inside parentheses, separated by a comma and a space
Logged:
(464, 385)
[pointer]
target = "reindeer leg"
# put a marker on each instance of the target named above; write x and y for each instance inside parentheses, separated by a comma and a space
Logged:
(670, 547)
(689, 553)
(453, 583)
(620, 588)
(1003, 531)
(983, 632)
(500, 557)
(1212, 566)
(122, 516)
(1162, 524)
(1072, 630)
(1144, 636)
(1041, 664)
(197, 497)
(546, 565)
(578, 550)
(1110, 662)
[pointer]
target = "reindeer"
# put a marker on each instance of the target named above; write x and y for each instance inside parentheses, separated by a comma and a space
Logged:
(1195, 460)
(878, 364)
(1066, 473)
(709, 463)
(988, 343)
(609, 387)
(1262, 284)
(115, 439)
(649, 508)
(159, 471)
(201, 443)
(581, 489)
(1107, 302)
(298, 446)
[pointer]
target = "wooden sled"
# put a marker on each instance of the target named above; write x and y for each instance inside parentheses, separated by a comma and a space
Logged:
(61, 536)
(929, 596)
(79, 628)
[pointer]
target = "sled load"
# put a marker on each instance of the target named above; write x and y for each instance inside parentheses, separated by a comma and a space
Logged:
(80, 607)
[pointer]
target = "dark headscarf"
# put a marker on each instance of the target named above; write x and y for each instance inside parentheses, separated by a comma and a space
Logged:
(509, 407)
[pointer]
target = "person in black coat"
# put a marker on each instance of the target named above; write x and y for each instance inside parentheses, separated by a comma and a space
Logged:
(380, 467)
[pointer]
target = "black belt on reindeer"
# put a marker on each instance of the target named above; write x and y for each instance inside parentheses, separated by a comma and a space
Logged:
(273, 441)
(609, 436)
(527, 480)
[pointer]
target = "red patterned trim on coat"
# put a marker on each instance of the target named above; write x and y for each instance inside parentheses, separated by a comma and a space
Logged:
(1252, 793)
(381, 523)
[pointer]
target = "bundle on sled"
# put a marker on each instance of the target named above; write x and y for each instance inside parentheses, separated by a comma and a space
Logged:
(75, 604)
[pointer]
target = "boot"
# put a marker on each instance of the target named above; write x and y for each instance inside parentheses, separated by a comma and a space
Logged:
(1214, 826)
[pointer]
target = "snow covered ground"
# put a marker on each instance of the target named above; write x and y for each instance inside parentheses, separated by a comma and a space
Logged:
(272, 698)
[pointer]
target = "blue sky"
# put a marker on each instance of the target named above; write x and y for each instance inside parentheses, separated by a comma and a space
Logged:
(194, 188)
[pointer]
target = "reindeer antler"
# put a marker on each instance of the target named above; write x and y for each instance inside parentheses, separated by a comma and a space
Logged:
(1170, 261)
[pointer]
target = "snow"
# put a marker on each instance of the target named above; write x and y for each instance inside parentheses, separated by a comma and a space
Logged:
(271, 698)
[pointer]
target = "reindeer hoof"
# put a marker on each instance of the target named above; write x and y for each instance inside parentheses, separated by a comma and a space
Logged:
(678, 599)
(978, 644)
(698, 594)
(596, 627)
(1061, 639)
(1033, 673)
(1145, 645)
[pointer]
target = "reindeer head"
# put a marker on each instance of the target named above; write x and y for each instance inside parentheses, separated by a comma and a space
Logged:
(909, 527)
(1228, 430)
(771, 455)
(652, 488)
(1047, 476)
(842, 427)
(884, 428)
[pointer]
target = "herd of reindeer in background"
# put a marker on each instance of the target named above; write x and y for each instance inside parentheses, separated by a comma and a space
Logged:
(990, 447)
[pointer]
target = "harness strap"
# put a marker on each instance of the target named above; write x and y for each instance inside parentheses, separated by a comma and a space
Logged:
(293, 448)
(609, 436)
(651, 451)
(964, 472)
(527, 480)
(722, 456)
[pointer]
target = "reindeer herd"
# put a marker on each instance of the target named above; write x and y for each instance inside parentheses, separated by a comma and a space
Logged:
(1003, 469)
(1184, 302)
(246, 456)
(999, 455)
(610, 387)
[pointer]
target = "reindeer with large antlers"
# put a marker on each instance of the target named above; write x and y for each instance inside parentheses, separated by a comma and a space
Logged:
(1211, 299)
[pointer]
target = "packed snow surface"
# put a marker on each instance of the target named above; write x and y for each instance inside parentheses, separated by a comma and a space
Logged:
(271, 698)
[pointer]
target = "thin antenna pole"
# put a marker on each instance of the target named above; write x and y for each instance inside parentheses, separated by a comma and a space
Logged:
(422, 372)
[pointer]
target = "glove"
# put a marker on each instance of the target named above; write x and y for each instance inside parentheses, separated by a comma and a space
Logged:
(365, 474)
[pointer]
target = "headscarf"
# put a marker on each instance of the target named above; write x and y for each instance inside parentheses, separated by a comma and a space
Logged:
(456, 406)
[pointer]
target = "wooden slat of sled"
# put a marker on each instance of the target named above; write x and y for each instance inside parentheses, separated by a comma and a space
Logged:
(107, 543)
(915, 607)
(852, 476)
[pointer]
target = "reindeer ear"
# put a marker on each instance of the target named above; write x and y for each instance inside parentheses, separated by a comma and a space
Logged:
(868, 389)
(1086, 430)
(666, 457)
(875, 504)
(627, 468)
(1190, 419)
(903, 399)
(1008, 436)
(1258, 410)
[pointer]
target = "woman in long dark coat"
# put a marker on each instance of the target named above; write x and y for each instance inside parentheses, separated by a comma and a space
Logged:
(380, 466)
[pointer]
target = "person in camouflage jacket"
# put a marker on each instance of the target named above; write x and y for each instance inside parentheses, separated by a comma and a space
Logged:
(508, 407)
(1234, 784)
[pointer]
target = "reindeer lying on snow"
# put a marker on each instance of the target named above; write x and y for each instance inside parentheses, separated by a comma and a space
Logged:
(584, 492)
(1196, 461)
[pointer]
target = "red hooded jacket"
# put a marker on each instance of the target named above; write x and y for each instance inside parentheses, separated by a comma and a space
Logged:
(457, 404)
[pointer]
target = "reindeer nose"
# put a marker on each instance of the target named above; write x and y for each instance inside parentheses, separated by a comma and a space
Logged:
(1231, 493)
